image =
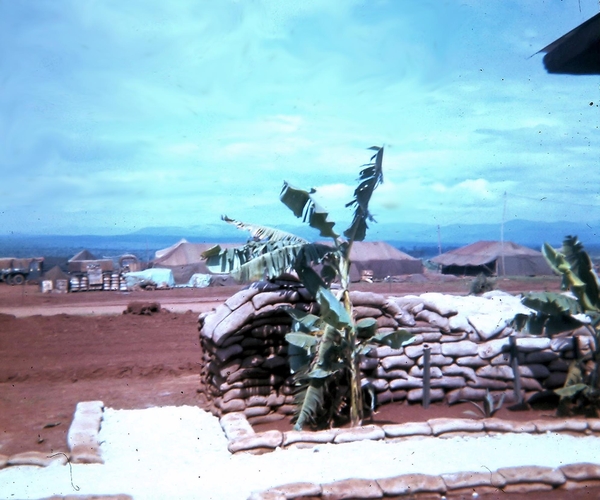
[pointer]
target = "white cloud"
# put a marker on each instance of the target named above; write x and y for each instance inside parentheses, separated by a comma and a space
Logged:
(200, 106)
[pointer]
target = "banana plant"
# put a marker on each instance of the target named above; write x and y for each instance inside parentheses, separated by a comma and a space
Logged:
(556, 313)
(325, 350)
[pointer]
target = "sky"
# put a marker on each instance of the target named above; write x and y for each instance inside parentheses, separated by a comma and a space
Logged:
(117, 116)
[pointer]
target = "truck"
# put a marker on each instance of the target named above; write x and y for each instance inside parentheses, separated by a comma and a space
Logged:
(14, 271)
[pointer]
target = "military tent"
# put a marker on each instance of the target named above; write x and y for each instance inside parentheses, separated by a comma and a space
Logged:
(382, 259)
(185, 260)
(84, 261)
(57, 276)
(493, 258)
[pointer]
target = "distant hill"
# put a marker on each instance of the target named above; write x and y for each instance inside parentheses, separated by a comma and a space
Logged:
(417, 239)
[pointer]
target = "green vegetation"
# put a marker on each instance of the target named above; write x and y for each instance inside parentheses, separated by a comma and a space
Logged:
(481, 284)
(489, 407)
(324, 350)
(557, 313)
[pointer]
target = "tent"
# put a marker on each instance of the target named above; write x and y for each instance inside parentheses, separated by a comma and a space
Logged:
(56, 273)
(59, 279)
(382, 260)
(185, 260)
(85, 260)
(577, 52)
(494, 258)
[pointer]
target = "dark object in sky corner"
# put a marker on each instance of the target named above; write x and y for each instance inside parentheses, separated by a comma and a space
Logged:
(577, 52)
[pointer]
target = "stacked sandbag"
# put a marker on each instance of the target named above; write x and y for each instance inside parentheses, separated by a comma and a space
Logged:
(245, 367)
(470, 351)
(244, 364)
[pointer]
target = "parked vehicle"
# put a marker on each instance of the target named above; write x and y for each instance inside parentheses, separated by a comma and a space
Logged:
(15, 271)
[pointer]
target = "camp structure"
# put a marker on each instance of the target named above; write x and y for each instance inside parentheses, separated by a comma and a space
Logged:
(577, 52)
(85, 261)
(378, 260)
(55, 279)
(185, 260)
(493, 258)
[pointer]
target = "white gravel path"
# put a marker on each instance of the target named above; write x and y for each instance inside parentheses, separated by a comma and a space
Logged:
(181, 452)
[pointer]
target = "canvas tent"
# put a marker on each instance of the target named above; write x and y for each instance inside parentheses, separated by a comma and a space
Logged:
(58, 278)
(493, 258)
(56, 273)
(185, 260)
(382, 259)
(85, 260)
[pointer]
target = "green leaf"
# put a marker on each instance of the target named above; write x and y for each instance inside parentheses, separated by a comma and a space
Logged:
(255, 260)
(211, 252)
(571, 390)
(366, 328)
(310, 401)
(551, 303)
(582, 266)
(309, 278)
(307, 320)
(395, 340)
(370, 177)
(302, 340)
(298, 358)
(301, 203)
(333, 311)
(577, 270)
(321, 373)
(265, 233)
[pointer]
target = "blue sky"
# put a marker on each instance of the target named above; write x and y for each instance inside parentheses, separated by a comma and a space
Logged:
(115, 116)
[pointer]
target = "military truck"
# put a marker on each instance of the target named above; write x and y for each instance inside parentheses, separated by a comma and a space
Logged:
(15, 271)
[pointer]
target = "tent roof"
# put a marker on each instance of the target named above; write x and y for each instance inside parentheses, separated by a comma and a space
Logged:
(483, 252)
(577, 52)
(83, 255)
(183, 253)
(376, 250)
(56, 273)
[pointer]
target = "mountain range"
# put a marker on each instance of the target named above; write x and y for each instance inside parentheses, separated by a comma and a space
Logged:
(424, 239)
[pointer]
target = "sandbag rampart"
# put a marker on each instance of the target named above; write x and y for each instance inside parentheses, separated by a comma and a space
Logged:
(245, 368)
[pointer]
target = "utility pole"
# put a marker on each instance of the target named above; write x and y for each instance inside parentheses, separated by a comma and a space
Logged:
(502, 236)
(439, 240)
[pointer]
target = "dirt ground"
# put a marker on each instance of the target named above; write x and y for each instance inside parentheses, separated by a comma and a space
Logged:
(50, 360)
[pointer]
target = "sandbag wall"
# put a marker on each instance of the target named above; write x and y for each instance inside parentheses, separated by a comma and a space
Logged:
(244, 366)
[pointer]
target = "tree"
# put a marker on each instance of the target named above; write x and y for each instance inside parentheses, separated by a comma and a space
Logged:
(325, 350)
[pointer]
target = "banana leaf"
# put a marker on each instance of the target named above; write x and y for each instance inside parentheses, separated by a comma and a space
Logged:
(302, 340)
(301, 203)
(582, 266)
(254, 261)
(551, 303)
(298, 358)
(333, 311)
(264, 233)
(309, 401)
(571, 390)
(366, 328)
(395, 340)
(370, 177)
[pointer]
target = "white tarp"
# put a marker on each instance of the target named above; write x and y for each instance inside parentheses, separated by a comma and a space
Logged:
(199, 280)
(160, 278)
